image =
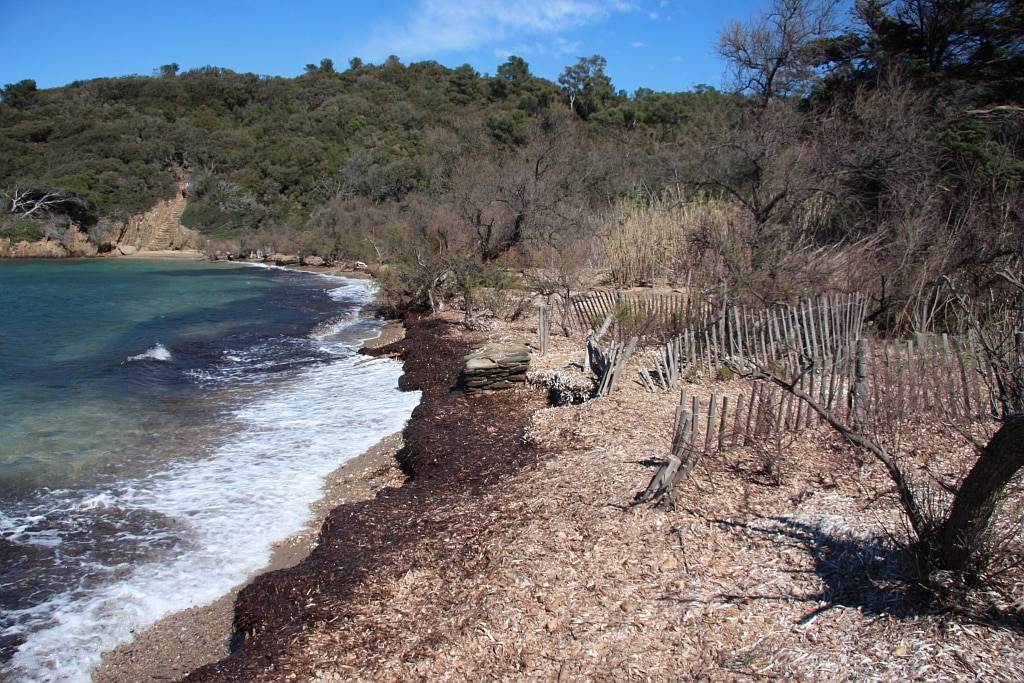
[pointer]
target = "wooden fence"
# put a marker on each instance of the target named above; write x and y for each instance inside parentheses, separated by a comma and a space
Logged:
(709, 334)
(819, 342)
(657, 316)
(866, 385)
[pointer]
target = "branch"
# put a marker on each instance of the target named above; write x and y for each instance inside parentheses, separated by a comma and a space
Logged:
(30, 201)
(1009, 277)
(995, 110)
(913, 510)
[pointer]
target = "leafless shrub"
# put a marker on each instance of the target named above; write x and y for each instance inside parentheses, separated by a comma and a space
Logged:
(773, 440)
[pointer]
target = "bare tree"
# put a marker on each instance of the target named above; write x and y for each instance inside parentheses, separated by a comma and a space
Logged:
(777, 53)
(765, 159)
(35, 203)
(510, 197)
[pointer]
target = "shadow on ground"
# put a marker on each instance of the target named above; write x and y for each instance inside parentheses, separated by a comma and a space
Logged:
(873, 574)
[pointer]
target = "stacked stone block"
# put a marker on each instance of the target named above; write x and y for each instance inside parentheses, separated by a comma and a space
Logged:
(496, 366)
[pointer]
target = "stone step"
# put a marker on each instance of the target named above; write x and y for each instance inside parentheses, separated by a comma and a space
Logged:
(496, 366)
(162, 239)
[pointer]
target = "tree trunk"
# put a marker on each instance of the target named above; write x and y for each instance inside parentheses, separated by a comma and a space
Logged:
(975, 502)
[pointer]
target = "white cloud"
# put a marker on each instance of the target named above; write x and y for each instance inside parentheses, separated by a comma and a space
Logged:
(442, 26)
(557, 47)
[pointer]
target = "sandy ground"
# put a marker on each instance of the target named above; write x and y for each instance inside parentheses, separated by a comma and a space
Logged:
(186, 640)
(174, 254)
(515, 553)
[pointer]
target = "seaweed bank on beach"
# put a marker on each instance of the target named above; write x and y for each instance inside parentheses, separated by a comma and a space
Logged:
(512, 550)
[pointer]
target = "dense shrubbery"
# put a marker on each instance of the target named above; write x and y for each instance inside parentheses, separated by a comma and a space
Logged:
(881, 152)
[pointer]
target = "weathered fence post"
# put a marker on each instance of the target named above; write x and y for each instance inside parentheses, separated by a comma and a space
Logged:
(1019, 373)
(722, 425)
(677, 467)
(860, 387)
(544, 327)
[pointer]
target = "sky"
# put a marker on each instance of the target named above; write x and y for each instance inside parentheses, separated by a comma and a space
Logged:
(664, 45)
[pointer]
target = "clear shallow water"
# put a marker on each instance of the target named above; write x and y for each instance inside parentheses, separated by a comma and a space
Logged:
(162, 424)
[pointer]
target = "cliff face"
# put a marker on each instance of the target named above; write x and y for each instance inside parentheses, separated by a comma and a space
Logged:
(159, 229)
(77, 244)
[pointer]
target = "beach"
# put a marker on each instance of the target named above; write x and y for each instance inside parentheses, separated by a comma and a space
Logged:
(516, 551)
(187, 640)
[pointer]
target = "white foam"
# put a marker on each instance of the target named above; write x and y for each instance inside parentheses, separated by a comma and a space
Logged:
(331, 328)
(156, 352)
(254, 489)
(361, 291)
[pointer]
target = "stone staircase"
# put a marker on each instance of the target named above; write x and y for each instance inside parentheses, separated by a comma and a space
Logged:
(162, 239)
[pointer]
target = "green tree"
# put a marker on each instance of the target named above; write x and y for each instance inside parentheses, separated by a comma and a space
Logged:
(975, 46)
(166, 71)
(585, 86)
(326, 67)
(515, 84)
(21, 95)
(465, 86)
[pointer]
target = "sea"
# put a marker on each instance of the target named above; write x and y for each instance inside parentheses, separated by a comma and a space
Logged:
(162, 425)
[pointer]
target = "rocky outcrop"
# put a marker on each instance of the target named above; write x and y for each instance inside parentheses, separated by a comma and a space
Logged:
(76, 243)
(159, 229)
(283, 259)
(496, 366)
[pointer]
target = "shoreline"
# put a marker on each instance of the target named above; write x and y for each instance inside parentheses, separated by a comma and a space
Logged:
(186, 640)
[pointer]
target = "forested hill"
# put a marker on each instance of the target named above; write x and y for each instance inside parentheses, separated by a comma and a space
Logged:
(890, 138)
(263, 153)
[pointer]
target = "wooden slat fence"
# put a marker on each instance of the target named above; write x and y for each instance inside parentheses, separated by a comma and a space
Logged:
(656, 316)
(608, 363)
(939, 374)
(722, 421)
(819, 341)
(773, 340)
(942, 377)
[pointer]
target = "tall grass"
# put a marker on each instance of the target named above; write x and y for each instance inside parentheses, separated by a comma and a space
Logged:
(667, 241)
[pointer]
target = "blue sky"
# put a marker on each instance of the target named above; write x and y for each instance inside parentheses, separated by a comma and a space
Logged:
(664, 45)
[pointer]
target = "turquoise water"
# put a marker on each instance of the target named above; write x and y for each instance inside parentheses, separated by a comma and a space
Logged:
(161, 425)
(67, 333)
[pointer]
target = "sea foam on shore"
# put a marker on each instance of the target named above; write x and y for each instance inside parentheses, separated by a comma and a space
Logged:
(214, 513)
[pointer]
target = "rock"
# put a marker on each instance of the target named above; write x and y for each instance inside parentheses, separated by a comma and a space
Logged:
(670, 563)
(496, 366)
(313, 261)
(127, 249)
(45, 248)
(285, 259)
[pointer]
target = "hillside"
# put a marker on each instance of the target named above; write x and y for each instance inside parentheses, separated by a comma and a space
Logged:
(879, 154)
